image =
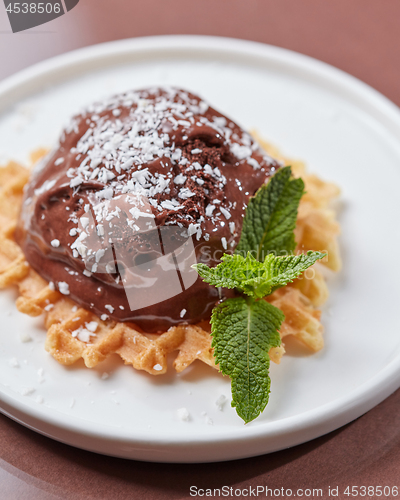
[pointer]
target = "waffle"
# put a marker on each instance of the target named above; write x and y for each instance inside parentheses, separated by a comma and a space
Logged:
(74, 333)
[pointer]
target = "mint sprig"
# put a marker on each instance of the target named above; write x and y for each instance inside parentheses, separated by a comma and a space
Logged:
(243, 332)
(244, 329)
(271, 217)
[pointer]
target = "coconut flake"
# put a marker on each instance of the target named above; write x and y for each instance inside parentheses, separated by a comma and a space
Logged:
(225, 212)
(27, 391)
(63, 287)
(220, 402)
(25, 337)
(180, 179)
(183, 414)
(92, 326)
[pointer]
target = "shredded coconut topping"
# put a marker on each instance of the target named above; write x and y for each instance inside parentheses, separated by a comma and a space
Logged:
(142, 160)
(113, 145)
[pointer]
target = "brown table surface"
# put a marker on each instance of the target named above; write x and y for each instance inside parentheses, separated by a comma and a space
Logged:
(361, 37)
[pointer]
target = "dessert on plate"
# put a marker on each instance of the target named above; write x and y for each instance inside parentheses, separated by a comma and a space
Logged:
(113, 226)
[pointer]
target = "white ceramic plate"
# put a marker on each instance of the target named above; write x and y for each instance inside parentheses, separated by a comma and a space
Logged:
(346, 132)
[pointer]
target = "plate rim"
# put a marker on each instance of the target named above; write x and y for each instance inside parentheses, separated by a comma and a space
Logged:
(291, 430)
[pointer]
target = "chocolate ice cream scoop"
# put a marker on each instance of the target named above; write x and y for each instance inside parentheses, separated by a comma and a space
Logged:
(141, 187)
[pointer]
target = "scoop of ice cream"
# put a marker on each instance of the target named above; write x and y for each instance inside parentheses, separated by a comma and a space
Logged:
(140, 187)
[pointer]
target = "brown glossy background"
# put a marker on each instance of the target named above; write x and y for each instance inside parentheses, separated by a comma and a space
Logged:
(361, 37)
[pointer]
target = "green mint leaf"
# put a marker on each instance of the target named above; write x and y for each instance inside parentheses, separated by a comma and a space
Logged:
(270, 217)
(255, 278)
(231, 272)
(279, 271)
(243, 333)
